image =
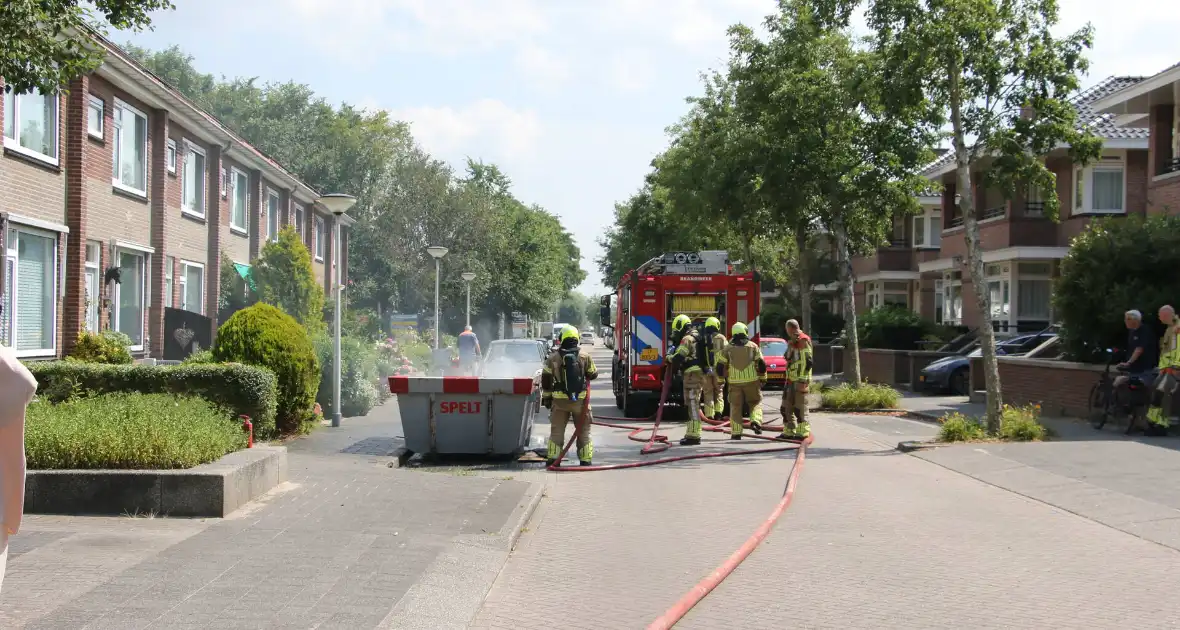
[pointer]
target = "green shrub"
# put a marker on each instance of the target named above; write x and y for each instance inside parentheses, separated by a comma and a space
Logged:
(108, 347)
(285, 278)
(1113, 266)
(200, 357)
(264, 336)
(956, 427)
(358, 378)
(129, 431)
(892, 327)
(867, 396)
(241, 389)
(1022, 424)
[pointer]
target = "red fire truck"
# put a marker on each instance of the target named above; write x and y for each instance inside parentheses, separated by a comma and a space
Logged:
(698, 284)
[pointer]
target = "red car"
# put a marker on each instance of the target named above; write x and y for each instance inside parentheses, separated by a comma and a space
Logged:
(773, 349)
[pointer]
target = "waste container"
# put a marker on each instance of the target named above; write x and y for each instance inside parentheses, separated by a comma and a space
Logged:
(466, 415)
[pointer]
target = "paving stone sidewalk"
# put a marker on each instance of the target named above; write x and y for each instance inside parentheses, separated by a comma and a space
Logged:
(348, 543)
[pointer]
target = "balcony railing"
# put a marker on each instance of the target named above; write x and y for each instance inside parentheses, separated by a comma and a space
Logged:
(955, 222)
(994, 212)
(1034, 209)
(1170, 166)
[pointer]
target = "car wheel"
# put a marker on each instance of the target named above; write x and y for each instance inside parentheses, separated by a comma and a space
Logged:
(960, 382)
(632, 406)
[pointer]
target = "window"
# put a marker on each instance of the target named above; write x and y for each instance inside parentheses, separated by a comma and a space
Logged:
(241, 198)
(30, 297)
(1100, 189)
(896, 293)
(171, 155)
(130, 149)
(872, 296)
(193, 182)
(952, 289)
(299, 218)
(998, 292)
(31, 124)
(94, 117)
(93, 284)
(131, 296)
(272, 216)
(320, 238)
(224, 182)
(169, 266)
(192, 286)
(1034, 290)
(939, 303)
(928, 229)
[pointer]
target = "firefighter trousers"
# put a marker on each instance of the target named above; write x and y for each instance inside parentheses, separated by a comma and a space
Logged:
(794, 407)
(744, 394)
(712, 396)
(564, 410)
(693, 385)
(1159, 413)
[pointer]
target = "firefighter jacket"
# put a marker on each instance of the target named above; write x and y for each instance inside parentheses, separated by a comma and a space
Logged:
(719, 344)
(553, 374)
(744, 362)
(687, 352)
(799, 359)
(1170, 347)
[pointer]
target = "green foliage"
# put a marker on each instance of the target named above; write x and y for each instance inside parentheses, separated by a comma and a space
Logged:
(108, 347)
(844, 397)
(264, 336)
(1019, 424)
(1114, 266)
(234, 294)
(894, 327)
(285, 278)
(45, 43)
(201, 357)
(359, 376)
(956, 427)
(240, 389)
(129, 431)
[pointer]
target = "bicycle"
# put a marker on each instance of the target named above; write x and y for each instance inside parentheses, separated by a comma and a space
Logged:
(1106, 402)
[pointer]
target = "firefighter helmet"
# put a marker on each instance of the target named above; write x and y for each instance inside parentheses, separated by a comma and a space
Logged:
(569, 332)
(713, 323)
(680, 323)
(740, 329)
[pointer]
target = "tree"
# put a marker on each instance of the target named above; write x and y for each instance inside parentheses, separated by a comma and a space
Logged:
(284, 278)
(994, 71)
(47, 43)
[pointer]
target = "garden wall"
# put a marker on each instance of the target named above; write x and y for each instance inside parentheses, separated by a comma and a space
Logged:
(896, 368)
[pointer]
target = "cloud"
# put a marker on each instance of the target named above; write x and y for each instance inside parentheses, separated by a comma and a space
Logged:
(631, 71)
(541, 66)
(483, 127)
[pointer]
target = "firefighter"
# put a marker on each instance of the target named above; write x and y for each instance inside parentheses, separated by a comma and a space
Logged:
(685, 359)
(743, 366)
(1159, 414)
(799, 364)
(565, 383)
(712, 397)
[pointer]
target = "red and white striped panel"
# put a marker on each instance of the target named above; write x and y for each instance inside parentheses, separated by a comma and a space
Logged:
(460, 385)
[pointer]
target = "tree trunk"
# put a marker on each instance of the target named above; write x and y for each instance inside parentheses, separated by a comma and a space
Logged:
(844, 266)
(987, 343)
(804, 276)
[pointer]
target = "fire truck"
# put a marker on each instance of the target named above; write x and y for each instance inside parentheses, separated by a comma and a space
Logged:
(697, 284)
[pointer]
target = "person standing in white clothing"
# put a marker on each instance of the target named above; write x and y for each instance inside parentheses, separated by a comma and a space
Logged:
(17, 387)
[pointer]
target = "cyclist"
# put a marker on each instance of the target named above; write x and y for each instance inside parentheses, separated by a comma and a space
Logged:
(1143, 348)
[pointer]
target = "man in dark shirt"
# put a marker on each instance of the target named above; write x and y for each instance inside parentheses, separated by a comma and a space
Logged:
(469, 351)
(1142, 348)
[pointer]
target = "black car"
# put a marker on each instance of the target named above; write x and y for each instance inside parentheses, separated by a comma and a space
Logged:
(953, 374)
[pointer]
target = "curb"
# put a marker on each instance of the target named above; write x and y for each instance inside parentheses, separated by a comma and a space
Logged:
(911, 446)
(523, 512)
(400, 457)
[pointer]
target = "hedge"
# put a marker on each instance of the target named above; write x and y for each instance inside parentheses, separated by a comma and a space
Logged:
(241, 389)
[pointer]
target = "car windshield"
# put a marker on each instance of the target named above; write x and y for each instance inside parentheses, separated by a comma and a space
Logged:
(514, 352)
(774, 348)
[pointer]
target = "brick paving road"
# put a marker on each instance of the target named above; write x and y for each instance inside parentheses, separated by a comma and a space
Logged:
(346, 544)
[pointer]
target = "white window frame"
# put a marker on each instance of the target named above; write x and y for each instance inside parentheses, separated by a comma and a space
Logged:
(184, 265)
(94, 302)
(1020, 275)
(237, 177)
(14, 145)
(202, 179)
(872, 296)
(1085, 177)
(224, 182)
(96, 104)
(952, 305)
(170, 157)
(169, 264)
(300, 218)
(1000, 273)
(117, 149)
(12, 256)
(886, 291)
(939, 303)
(272, 232)
(145, 302)
(922, 225)
(321, 237)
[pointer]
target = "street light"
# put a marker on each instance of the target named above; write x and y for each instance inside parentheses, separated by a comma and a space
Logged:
(468, 277)
(437, 253)
(337, 204)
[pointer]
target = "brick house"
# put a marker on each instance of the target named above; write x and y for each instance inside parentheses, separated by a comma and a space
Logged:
(925, 265)
(1155, 103)
(124, 175)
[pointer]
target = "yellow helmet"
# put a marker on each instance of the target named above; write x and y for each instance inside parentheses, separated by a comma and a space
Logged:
(713, 323)
(680, 323)
(569, 332)
(740, 329)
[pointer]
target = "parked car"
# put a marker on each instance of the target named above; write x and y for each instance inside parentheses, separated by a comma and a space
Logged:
(514, 358)
(774, 350)
(587, 338)
(953, 374)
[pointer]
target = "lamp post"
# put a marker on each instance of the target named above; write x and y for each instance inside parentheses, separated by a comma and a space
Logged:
(437, 253)
(468, 277)
(337, 204)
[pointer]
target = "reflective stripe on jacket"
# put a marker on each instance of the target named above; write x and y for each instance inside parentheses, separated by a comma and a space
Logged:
(688, 350)
(1170, 346)
(799, 359)
(742, 361)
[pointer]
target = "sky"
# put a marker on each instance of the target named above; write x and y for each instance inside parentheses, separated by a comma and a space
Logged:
(571, 98)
